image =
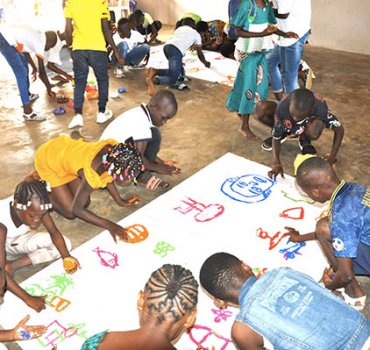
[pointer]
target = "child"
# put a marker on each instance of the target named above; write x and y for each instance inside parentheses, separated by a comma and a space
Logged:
(284, 306)
(253, 28)
(16, 45)
(212, 34)
(301, 114)
(141, 125)
(88, 22)
(75, 168)
(22, 332)
(166, 307)
(183, 38)
(131, 44)
(146, 26)
(344, 235)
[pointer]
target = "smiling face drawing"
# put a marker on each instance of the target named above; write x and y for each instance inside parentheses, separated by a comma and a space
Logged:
(248, 188)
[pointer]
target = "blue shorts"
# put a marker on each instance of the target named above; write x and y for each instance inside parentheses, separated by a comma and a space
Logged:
(361, 264)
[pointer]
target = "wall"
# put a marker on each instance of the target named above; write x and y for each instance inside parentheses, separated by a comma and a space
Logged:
(336, 24)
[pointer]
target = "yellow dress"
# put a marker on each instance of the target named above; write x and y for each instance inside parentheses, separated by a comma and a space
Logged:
(59, 160)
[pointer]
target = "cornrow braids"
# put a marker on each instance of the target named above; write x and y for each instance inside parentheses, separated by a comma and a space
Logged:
(172, 292)
(123, 161)
(27, 189)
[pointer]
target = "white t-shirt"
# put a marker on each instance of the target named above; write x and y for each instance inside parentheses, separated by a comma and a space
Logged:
(6, 219)
(25, 39)
(184, 37)
(135, 123)
(298, 21)
(135, 39)
(53, 55)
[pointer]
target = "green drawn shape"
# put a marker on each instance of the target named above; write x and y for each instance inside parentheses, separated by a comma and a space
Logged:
(162, 248)
(308, 201)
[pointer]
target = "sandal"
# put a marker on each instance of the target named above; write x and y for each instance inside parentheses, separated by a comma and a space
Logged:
(33, 116)
(356, 303)
(182, 87)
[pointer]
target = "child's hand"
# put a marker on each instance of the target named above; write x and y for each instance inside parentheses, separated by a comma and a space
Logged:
(118, 232)
(293, 234)
(131, 201)
(291, 35)
(328, 276)
(270, 29)
(24, 332)
(207, 64)
(71, 265)
(36, 303)
(275, 171)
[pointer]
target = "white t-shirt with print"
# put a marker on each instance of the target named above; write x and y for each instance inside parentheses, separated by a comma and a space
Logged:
(135, 39)
(135, 123)
(184, 37)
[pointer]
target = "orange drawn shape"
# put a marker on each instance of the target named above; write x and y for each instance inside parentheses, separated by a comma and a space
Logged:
(136, 233)
(296, 213)
(59, 303)
(274, 240)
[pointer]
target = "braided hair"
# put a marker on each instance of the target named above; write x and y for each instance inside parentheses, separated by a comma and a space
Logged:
(172, 292)
(123, 161)
(26, 190)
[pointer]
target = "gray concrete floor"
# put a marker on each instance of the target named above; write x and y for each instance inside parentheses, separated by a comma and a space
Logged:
(202, 131)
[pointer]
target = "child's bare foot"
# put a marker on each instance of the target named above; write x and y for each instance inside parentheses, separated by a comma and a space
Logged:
(248, 134)
(151, 86)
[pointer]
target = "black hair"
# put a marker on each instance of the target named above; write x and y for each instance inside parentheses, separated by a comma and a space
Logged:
(227, 48)
(122, 21)
(221, 274)
(310, 174)
(162, 97)
(123, 161)
(188, 22)
(138, 13)
(51, 38)
(31, 189)
(202, 26)
(302, 100)
(178, 24)
(172, 292)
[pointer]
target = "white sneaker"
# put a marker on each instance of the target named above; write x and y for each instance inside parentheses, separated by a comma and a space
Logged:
(103, 117)
(118, 73)
(76, 121)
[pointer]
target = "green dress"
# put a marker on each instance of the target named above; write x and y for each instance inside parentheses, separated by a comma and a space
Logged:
(251, 83)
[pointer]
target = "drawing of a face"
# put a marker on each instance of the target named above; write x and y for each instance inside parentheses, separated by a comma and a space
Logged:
(248, 188)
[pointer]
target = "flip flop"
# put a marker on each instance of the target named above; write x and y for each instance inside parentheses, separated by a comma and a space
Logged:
(33, 116)
(356, 303)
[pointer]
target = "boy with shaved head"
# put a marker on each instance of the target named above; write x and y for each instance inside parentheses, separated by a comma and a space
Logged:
(344, 234)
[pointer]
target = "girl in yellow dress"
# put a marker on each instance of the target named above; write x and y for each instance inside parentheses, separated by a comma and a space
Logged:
(74, 168)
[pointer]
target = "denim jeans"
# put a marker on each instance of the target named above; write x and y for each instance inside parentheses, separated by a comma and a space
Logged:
(98, 61)
(294, 312)
(175, 68)
(285, 78)
(19, 65)
(153, 146)
(133, 57)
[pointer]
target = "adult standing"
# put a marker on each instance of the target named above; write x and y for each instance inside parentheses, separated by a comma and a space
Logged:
(292, 16)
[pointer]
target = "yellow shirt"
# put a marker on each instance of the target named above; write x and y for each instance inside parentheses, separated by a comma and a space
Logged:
(59, 160)
(87, 29)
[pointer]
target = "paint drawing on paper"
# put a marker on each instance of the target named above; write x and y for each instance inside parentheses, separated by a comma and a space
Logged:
(296, 213)
(248, 188)
(107, 259)
(292, 249)
(163, 248)
(221, 314)
(201, 335)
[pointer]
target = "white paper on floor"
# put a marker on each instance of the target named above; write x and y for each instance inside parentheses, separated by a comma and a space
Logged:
(223, 70)
(230, 206)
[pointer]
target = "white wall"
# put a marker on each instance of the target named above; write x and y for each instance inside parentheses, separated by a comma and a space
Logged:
(336, 24)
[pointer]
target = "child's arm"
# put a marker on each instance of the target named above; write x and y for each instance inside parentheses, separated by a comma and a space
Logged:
(277, 168)
(295, 236)
(201, 56)
(44, 77)
(153, 35)
(22, 332)
(112, 189)
(337, 141)
(32, 64)
(240, 32)
(109, 39)
(58, 240)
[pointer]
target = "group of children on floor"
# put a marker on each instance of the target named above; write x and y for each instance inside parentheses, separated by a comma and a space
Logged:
(68, 171)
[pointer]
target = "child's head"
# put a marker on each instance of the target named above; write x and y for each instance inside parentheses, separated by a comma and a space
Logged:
(188, 22)
(317, 178)
(124, 27)
(123, 162)
(139, 17)
(222, 275)
(31, 202)
(202, 27)
(132, 21)
(51, 40)
(301, 103)
(157, 25)
(170, 297)
(162, 107)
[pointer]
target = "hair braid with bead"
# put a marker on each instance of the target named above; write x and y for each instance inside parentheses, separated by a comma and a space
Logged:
(28, 190)
(172, 292)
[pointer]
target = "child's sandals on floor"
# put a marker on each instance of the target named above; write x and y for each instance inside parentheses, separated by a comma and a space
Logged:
(34, 116)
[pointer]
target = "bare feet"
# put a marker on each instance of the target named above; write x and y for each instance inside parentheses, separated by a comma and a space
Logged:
(248, 134)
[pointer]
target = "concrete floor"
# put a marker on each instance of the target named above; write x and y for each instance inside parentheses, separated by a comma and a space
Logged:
(202, 131)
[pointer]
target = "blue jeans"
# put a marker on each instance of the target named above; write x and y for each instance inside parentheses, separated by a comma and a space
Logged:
(19, 65)
(133, 57)
(285, 78)
(98, 61)
(175, 68)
